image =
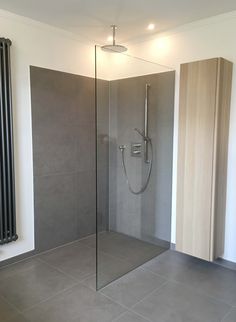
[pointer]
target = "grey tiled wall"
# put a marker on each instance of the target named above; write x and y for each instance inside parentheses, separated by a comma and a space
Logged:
(146, 216)
(63, 127)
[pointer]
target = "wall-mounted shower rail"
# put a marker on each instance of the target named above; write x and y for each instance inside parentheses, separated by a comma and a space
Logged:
(146, 123)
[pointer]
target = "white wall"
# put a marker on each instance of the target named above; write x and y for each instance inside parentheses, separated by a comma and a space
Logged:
(213, 37)
(40, 45)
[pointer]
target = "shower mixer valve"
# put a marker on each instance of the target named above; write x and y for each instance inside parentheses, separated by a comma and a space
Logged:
(136, 149)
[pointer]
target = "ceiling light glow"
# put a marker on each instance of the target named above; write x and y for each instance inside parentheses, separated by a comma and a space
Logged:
(109, 38)
(151, 26)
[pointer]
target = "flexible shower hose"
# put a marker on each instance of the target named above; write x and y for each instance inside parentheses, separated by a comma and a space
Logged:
(144, 187)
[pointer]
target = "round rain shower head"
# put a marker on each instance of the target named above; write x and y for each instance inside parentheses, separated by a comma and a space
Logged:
(114, 48)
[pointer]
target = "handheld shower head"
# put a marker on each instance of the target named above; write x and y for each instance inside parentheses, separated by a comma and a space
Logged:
(139, 131)
(146, 138)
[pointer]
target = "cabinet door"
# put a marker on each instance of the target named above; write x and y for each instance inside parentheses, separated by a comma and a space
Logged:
(198, 83)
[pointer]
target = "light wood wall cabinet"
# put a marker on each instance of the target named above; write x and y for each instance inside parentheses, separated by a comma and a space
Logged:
(205, 91)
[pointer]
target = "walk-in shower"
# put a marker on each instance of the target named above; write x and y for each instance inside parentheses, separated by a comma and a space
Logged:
(134, 131)
(136, 149)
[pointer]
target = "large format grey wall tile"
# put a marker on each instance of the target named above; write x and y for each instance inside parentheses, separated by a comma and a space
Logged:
(146, 216)
(54, 111)
(55, 210)
(85, 148)
(85, 191)
(103, 154)
(63, 124)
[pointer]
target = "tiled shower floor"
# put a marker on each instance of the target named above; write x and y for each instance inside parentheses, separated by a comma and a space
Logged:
(59, 286)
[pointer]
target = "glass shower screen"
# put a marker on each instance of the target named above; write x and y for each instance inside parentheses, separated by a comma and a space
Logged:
(134, 126)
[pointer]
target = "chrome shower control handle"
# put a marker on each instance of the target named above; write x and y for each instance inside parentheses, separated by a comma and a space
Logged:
(122, 147)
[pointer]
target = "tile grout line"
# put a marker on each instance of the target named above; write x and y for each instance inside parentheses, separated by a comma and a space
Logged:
(64, 173)
(120, 316)
(227, 314)
(59, 270)
(199, 292)
(130, 309)
(21, 261)
(19, 311)
(125, 259)
(48, 251)
(11, 304)
(156, 274)
(158, 289)
(139, 268)
(138, 314)
(48, 298)
(192, 289)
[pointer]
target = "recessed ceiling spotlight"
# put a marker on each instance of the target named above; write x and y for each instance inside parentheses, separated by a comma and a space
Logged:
(109, 38)
(151, 26)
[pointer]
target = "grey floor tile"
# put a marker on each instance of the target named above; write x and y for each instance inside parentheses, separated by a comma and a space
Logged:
(118, 254)
(170, 263)
(17, 318)
(90, 282)
(210, 279)
(89, 241)
(174, 302)
(77, 304)
(28, 287)
(7, 311)
(109, 268)
(231, 317)
(130, 317)
(76, 260)
(19, 267)
(124, 247)
(133, 287)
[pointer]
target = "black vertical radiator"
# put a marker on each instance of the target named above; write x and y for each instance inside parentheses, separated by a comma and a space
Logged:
(7, 184)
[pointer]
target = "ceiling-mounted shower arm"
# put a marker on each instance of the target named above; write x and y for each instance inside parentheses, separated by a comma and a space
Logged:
(114, 48)
(114, 27)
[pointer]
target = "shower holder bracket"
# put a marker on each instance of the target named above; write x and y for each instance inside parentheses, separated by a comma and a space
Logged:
(136, 149)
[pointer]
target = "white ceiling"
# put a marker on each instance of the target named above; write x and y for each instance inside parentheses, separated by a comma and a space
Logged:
(91, 19)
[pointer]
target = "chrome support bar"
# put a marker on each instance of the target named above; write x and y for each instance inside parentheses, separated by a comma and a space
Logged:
(146, 123)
